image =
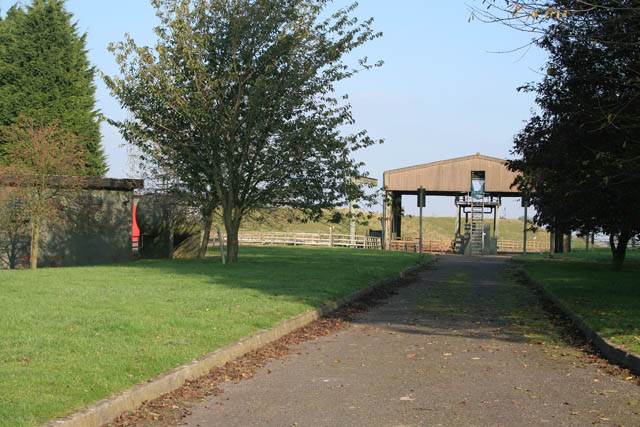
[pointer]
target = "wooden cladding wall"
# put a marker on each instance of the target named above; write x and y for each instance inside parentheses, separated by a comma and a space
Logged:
(452, 176)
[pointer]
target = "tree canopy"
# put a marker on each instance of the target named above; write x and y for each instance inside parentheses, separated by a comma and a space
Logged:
(580, 156)
(237, 99)
(45, 74)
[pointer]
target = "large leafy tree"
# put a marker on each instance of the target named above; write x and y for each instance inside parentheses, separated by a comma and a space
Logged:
(580, 157)
(40, 172)
(45, 74)
(237, 99)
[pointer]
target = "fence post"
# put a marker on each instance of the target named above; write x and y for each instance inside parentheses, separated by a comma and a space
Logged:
(330, 236)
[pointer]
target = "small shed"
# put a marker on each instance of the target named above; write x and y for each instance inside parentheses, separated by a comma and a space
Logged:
(94, 227)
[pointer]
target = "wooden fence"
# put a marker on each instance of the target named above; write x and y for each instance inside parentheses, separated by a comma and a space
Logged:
(516, 246)
(276, 238)
(412, 244)
(405, 244)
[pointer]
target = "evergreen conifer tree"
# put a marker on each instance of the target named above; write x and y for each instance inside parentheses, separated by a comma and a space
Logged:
(45, 74)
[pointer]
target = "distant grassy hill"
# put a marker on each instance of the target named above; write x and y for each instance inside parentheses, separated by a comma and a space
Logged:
(284, 219)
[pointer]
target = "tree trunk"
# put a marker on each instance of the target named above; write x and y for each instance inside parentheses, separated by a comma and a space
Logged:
(204, 245)
(620, 251)
(559, 242)
(232, 224)
(35, 247)
(232, 244)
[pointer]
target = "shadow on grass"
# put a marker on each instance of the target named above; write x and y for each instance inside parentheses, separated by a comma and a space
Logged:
(312, 274)
(607, 300)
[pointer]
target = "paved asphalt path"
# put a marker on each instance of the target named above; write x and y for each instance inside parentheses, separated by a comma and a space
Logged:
(403, 365)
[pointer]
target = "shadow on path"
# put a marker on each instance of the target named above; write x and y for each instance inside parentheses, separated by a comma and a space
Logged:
(464, 345)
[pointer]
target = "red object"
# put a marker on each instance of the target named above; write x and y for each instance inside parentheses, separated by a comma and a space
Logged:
(135, 231)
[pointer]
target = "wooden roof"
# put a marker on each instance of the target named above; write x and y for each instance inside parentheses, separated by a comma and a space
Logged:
(453, 177)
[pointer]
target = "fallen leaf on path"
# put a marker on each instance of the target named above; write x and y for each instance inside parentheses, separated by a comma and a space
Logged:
(448, 354)
(406, 398)
(410, 356)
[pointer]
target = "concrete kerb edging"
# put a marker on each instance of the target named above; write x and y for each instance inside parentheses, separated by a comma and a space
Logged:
(611, 351)
(107, 410)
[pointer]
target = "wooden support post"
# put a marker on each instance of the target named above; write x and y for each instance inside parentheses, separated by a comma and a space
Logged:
(396, 207)
(552, 243)
(497, 213)
(386, 221)
(421, 205)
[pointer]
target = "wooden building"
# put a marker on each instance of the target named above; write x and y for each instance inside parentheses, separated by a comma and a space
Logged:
(477, 182)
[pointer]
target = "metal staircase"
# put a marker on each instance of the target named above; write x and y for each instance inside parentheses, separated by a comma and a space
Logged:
(476, 231)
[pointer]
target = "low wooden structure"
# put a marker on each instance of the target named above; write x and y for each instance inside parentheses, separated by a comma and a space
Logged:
(477, 182)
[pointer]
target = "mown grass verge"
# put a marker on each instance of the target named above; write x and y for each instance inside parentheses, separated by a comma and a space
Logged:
(607, 300)
(77, 335)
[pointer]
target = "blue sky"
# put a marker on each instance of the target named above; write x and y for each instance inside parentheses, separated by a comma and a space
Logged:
(442, 93)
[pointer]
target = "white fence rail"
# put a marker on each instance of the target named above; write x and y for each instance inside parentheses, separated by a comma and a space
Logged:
(276, 238)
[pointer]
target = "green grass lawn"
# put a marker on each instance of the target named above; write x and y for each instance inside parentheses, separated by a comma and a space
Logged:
(607, 300)
(73, 336)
